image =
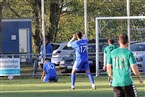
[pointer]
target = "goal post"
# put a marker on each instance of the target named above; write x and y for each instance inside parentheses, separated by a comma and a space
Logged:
(97, 33)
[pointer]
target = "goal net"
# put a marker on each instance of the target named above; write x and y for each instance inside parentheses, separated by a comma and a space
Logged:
(112, 27)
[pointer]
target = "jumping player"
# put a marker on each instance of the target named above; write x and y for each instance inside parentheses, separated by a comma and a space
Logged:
(49, 72)
(119, 63)
(81, 61)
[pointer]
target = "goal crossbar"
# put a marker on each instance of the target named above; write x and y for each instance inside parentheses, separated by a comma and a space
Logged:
(97, 33)
(121, 18)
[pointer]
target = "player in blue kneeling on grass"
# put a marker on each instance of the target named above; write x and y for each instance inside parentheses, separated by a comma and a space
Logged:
(81, 61)
(49, 71)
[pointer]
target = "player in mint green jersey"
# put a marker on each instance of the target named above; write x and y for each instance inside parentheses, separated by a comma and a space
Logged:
(107, 51)
(119, 63)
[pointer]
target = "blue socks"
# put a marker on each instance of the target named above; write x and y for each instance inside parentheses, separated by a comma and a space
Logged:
(73, 79)
(91, 78)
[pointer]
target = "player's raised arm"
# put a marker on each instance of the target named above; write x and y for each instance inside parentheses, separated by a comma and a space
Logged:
(69, 43)
(136, 72)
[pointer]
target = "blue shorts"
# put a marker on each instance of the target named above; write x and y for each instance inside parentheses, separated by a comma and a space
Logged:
(48, 78)
(81, 65)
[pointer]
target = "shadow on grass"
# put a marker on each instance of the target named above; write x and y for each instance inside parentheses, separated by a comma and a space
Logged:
(70, 93)
(63, 94)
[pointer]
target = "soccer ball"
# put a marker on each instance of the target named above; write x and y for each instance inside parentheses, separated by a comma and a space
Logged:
(10, 77)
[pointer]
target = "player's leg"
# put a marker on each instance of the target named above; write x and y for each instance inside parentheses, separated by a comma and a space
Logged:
(41, 65)
(110, 82)
(73, 79)
(105, 69)
(53, 79)
(46, 78)
(89, 74)
(130, 91)
(35, 67)
(73, 75)
(118, 92)
(56, 79)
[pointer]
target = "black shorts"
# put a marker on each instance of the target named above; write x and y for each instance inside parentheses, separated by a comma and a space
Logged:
(126, 91)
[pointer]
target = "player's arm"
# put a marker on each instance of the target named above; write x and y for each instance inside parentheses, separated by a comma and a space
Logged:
(109, 70)
(69, 43)
(105, 61)
(43, 74)
(109, 66)
(134, 69)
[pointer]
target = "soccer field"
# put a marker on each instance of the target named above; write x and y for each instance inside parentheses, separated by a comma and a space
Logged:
(34, 87)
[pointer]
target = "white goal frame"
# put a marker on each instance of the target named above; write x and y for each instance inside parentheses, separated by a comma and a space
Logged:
(97, 33)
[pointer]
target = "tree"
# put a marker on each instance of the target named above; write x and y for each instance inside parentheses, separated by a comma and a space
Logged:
(63, 17)
(55, 13)
(37, 25)
(2, 3)
(71, 19)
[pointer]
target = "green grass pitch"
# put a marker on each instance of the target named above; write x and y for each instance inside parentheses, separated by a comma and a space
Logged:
(34, 87)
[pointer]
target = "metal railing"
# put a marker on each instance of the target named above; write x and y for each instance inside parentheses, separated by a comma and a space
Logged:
(30, 63)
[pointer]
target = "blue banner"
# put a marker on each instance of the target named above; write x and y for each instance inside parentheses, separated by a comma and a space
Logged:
(10, 72)
(9, 66)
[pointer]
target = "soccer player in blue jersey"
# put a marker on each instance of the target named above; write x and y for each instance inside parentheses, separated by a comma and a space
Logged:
(39, 61)
(49, 72)
(81, 61)
(48, 49)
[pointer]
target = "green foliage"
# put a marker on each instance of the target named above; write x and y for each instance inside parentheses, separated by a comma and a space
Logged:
(17, 9)
(70, 17)
(2, 4)
(34, 87)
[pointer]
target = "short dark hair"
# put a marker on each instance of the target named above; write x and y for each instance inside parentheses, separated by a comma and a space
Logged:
(48, 59)
(123, 38)
(111, 41)
(79, 34)
(46, 39)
